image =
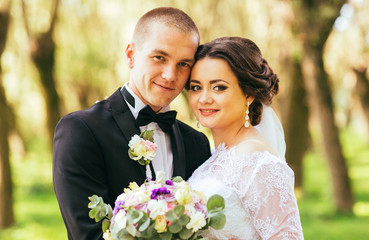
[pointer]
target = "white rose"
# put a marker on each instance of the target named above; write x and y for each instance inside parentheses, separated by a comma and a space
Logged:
(120, 222)
(190, 208)
(157, 207)
(134, 141)
(183, 196)
(122, 197)
(197, 221)
(142, 196)
(149, 154)
(107, 235)
(160, 176)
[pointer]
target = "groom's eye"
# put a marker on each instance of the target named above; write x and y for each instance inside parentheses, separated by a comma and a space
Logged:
(159, 58)
(184, 64)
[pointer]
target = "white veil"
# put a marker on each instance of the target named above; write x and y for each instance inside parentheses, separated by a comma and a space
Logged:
(271, 128)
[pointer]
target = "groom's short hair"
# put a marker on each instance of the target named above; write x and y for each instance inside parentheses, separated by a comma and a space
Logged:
(168, 16)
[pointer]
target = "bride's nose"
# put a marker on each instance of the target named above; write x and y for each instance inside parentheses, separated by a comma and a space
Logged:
(205, 97)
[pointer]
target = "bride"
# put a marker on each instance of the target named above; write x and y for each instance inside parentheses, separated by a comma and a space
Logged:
(231, 86)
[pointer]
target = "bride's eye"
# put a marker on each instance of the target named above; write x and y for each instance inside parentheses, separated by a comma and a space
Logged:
(195, 88)
(220, 88)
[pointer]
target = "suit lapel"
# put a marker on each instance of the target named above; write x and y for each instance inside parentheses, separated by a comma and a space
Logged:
(179, 158)
(124, 119)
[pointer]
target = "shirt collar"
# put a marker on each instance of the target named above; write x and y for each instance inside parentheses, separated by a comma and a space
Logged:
(139, 103)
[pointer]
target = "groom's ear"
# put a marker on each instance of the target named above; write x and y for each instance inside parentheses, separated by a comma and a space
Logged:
(130, 54)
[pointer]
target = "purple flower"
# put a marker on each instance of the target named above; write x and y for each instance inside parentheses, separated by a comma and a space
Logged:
(169, 182)
(202, 208)
(117, 207)
(159, 191)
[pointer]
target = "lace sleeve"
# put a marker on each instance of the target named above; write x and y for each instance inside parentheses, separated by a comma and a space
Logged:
(271, 202)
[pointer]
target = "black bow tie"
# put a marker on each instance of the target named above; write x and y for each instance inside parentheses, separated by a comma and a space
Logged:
(164, 120)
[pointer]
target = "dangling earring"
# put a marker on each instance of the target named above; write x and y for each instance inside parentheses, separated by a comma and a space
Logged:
(198, 124)
(247, 118)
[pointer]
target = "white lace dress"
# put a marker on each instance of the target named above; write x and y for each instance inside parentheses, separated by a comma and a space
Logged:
(259, 195)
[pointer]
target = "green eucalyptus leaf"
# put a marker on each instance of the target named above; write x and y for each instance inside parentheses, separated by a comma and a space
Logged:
(166, 236)
(141, 161)
(215, 203)
(105, 225)
(217, 221)
(134, 216)
(177, 179)
(94, 201)
(92, 213)
(183, 220)
(130, 154)
(148, 135)
(185, 233)
(144, 223)
(131, 230)
(150, 232)
(175, 227)
(100, 214)
(179, 210)
(110, 211)
(171, 216)
(124, 234)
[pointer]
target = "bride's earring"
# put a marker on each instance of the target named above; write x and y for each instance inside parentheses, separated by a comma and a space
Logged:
(247, 118)
(198, 124)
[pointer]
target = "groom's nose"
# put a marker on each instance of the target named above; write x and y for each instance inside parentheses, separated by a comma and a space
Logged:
(169, 72)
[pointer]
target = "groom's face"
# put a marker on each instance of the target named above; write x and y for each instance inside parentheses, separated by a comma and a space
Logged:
(161, 65)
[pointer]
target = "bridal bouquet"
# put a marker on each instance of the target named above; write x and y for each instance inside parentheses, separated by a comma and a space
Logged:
(161, 209)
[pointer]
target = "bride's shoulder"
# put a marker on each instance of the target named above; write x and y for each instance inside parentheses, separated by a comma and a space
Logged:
(252, 145)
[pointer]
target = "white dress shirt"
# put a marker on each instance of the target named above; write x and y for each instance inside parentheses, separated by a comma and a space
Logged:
(163, 160)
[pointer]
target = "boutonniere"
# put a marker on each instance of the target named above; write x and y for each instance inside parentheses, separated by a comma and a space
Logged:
(143, 149)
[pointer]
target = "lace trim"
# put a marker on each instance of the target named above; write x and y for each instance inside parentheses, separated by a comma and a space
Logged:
(265, 187)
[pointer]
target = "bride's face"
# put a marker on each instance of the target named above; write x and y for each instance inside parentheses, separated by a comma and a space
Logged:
(215, 96)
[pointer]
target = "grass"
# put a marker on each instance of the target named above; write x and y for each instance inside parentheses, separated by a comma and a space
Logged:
(38, 217)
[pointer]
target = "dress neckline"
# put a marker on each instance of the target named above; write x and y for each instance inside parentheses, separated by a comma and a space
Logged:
(223, 149)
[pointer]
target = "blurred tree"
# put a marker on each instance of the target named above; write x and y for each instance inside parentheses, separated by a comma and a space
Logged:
(42, 48)
(296, 122)
(6, 123)
(314, 25)
(362, 89)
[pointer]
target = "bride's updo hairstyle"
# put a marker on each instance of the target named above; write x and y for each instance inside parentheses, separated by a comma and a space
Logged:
(255, 77)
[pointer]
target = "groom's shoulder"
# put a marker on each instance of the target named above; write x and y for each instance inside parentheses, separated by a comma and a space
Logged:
(94, 116)
(98, 111)
(94, 111)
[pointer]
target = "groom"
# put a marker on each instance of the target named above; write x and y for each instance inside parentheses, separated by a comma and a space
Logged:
(91, 146)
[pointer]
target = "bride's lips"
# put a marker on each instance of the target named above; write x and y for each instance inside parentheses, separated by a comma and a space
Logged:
(164, 87)
(207, 111)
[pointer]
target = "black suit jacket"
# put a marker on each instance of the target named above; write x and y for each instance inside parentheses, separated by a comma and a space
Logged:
(90, 156)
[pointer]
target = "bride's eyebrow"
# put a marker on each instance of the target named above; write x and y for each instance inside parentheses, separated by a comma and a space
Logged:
(219, 80)
(194, 81)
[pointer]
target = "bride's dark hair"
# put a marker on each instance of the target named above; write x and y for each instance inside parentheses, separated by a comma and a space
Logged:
(255, 77)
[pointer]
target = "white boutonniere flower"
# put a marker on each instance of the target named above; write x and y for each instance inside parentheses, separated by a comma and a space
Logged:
(143, 149)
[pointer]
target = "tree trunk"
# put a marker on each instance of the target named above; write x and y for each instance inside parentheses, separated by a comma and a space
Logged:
(362, 89)
(6, 187)
(296, 124)
(43, 55)
(317, 18)
(320, 94)
(44, 59)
